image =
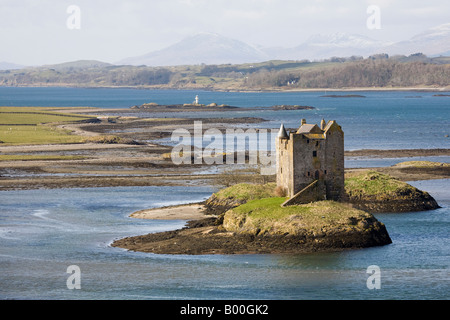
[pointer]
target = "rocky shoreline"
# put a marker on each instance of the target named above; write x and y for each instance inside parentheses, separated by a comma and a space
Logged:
(231, 228)
(417, 202)
(391, 195)
(201, 237)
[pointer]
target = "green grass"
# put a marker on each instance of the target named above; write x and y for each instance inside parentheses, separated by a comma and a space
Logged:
(421, 164)
(28, 118)
(374, 183)
(266, 215)
(22, 125)
(39, 134)
(29, 109)
(31, 116)
(247, 191)
(268, 208)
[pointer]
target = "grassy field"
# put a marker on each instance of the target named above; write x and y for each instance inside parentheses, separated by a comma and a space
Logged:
(35, 115)
(30, 118)
(33, 125)
(39, 134)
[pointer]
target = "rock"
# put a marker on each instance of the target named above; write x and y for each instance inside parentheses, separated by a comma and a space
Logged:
(374, 192)
(341, 227)
(291, 107)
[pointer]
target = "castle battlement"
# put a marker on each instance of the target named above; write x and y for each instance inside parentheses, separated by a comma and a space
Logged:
(312, 153)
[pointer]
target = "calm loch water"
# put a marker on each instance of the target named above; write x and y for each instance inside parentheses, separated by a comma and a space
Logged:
(43, 232)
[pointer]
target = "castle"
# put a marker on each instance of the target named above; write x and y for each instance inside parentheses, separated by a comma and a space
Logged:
(310, 162)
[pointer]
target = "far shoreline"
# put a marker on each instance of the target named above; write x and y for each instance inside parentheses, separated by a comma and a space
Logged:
(273, 90)
(85, 172)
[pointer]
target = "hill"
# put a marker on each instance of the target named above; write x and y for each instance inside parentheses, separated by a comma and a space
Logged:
(434, 41)
(211, 48)
(207, 48)
(77, 65)
(10, 66)
(378, 71)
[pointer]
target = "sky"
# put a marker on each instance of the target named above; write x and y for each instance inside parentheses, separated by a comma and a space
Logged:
(37, 32)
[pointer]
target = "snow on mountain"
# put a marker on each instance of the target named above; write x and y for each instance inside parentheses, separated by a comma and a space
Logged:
(334, 45)
(205, 48)
(434, 41)
(212, 48)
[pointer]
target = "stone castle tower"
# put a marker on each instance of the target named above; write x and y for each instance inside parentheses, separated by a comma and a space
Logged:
(310, 162)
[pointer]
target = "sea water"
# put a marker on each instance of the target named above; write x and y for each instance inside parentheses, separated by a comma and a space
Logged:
(43, 232)
(377, 120)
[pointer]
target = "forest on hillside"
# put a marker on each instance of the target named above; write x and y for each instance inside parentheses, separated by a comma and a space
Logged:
(353, 72)
(365, 73)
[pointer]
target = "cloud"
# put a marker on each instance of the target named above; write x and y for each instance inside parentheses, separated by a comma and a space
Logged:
(113, 29)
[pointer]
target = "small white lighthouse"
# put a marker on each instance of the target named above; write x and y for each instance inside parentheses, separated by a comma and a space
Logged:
(196, 99)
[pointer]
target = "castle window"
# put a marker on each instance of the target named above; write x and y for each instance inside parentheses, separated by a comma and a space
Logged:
(309, 174)
(314, 153)
(325, 171)
(317, 143)
(307, 141)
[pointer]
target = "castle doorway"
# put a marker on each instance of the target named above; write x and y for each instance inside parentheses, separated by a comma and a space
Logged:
(317, 175)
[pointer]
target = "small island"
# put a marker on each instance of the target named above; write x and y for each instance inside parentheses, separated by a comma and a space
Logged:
(248, 219)
(319, 212)
(291, 107)
(152, 106)
(375, 192)
(343, 96)
(155, 107)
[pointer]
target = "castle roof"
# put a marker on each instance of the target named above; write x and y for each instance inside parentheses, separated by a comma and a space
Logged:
(311, 131)
(309, 128)
(330, 124)
(282, 134)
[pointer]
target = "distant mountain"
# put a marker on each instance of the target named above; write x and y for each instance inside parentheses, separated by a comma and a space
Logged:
(77, 65)
(9, 66)
(432, 42)
(205, 48)
(326, 46)
(211, 48)
(216, 49)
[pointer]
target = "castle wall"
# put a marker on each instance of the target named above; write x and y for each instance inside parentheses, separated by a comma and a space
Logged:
(304, 158)
(309, 157)
(334, 163)
(284, 164)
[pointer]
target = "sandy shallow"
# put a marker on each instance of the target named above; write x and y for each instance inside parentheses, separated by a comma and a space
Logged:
(194, 211)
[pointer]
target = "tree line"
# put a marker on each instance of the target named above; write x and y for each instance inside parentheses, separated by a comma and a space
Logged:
(375, 71)
(365, 73)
